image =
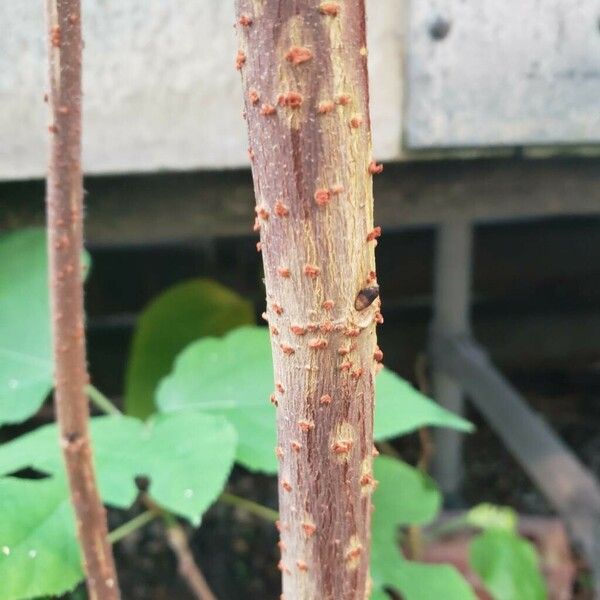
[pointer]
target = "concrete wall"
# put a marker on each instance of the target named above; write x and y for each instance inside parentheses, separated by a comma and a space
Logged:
(161, 90)
(503, 72)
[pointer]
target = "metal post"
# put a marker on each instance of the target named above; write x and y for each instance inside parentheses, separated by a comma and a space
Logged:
(451, 317)
(570, 488)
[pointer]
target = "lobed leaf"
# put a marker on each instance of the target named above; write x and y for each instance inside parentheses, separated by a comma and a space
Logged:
(233, 376)
(39, 553)
(26, 363)
(25, 343)
(508, 565)
(402, 409)
(407, 496)
(186, 456)
(419, 581)
(183, 313)
(490, 516)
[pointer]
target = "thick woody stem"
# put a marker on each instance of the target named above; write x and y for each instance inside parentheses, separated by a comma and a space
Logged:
(64, 199)
(304, 73)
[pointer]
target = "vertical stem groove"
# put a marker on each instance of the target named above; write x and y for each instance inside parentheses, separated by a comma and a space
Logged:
(304, 74)
(64, 203)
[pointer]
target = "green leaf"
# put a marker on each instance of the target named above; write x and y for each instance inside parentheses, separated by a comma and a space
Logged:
(25, 343)
(404, 495)
(39, 553)
(508, 566)
(26, 363)
(401, 409)
(186, 456)
(407, 496)
(419, 581)
(487, 516)
(233, 376)
(180, 315)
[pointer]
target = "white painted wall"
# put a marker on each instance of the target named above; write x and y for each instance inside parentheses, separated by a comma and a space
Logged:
(161, 90)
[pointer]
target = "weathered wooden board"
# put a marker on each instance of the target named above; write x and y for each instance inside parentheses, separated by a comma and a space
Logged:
(514, 72)
(567, 484)
(176, 207)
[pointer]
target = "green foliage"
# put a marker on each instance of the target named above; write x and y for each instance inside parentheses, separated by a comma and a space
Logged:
(401, 409)
(407, 496)
(419, 581)
(38, 548)
(26, 363)
(486, 516)
(419, 495)
(215, 410)
(233, 376)
(506, 563)
(508, 566)
(25, 344)
(186, 456)
(182, 314)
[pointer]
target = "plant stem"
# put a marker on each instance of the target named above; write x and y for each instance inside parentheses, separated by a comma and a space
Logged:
(177, 539)
(453, 525)
(101, 401)
(264, 512)
(387, 449)
(116, 535)
(425, 438)
(64, 202)
(188, 569)
(304, 74)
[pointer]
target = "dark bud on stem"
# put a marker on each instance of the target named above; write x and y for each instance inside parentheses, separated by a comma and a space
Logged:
(142, 483)
(366, 297)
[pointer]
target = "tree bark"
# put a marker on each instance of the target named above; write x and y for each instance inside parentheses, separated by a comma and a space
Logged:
(304, 73)
(64, 202)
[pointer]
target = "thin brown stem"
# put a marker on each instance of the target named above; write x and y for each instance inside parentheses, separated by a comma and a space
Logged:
(387, 449)
(415, 538)
(415, 545)
(64, 201)
(178, 542)
(188, 569)
(263, 512)
(101, 401)
(425, 438)
(116, 535)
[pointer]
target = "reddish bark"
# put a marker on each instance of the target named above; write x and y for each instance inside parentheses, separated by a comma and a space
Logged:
(312, 156)
(64, 199)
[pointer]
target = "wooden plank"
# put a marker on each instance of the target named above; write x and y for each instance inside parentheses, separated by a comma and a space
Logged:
(451, 315)
(172, 207)
(567, 485)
